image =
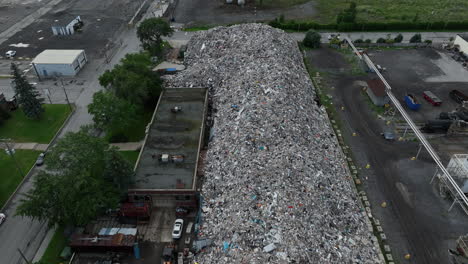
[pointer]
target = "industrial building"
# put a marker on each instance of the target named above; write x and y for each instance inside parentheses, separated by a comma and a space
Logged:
(54, 63)
(166, 169)
(462, 42)
(376, 91)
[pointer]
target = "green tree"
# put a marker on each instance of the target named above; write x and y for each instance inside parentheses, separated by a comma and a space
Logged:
(150, 32)
(28, 97)
(118, 171)
(85, 177)
(133, 80)
(73, 198)
(398, 38)
(416, 38)
(110, 112)
(380, 40)
(312, 39)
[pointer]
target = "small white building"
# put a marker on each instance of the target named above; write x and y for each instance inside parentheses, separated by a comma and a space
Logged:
(462, 42)
(53, 63)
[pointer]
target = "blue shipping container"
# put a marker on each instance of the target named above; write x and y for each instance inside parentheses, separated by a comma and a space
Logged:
(412, 103)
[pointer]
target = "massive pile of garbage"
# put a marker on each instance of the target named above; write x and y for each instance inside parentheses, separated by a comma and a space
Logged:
(276, 188)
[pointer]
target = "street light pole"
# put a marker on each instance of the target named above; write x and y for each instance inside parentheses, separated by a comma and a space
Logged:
(12, 154)
(66, 95)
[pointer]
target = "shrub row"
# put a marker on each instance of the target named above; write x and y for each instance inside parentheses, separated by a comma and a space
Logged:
(370, 26)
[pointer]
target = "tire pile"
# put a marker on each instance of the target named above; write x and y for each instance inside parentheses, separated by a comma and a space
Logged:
(276, 186)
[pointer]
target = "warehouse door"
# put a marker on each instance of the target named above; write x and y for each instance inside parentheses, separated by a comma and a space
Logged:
(45, 72)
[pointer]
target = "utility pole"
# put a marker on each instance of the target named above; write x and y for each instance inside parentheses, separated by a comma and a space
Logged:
(66, 95)
(11, 152)
(22, 255)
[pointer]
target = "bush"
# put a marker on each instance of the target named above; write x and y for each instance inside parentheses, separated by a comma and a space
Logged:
(380, 40)
(368, 41)
(389, 41)
(312, 39)
(399, 38)
(428, 41)
(416, 38)
(358, 41)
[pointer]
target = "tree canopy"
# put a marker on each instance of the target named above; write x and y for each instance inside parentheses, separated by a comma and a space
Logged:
(150, 32)
(84, 178)
(110, 112)
(27, 95)
(312, 39)
(133, 79)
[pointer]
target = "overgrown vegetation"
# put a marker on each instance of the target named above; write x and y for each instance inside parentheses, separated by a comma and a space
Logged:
(395, 11)
(368, 15)
(132, 90)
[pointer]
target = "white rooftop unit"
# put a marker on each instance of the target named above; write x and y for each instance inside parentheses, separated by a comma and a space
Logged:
(55, 63)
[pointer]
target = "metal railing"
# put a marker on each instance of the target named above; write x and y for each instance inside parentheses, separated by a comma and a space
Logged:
(457, 193)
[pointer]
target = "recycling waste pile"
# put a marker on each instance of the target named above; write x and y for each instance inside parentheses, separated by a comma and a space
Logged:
(276, 186)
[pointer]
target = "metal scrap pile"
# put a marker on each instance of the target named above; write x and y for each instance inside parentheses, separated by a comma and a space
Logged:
(276, 185)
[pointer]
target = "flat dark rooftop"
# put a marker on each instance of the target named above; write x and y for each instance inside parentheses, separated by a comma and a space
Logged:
(174, 134)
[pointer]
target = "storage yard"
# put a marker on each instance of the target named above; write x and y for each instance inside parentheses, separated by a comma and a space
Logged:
(274, 161)
(415, 217)
(102, 21)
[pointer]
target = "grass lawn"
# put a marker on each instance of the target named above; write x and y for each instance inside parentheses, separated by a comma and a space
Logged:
(22, 129)
(131, 156)
(10, 177)
(56, 245)
(137, 132)
(396, 10)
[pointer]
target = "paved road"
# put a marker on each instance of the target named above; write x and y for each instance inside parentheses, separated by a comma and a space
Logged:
(182, 37)
(25, 233)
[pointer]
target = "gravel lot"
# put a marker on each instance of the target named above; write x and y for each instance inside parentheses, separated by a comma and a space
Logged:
(102, 21)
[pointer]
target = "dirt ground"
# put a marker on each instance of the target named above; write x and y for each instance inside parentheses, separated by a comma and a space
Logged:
(417, 70)
(415, 219)
(203, 12)
(102, 21)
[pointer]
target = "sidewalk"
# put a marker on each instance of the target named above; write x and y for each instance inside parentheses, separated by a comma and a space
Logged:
(127, 146)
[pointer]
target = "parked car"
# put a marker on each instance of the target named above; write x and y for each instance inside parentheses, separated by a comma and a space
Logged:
(431, 98)
(2, 218)
(40, 159)
(388, 136)
(458, 96)
(10, 53)
(177, 230)
(181, 211)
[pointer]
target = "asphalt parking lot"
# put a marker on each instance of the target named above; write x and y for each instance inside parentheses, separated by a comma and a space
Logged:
(203, 12)
(415, 219)
(417, 70)
(103, 20)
